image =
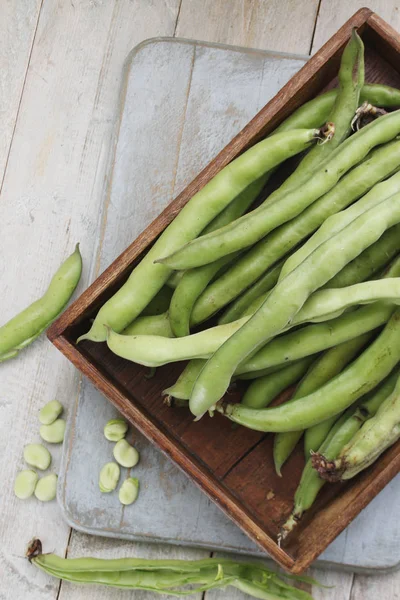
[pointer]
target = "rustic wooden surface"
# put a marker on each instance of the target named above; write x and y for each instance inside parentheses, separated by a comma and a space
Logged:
(61, 65)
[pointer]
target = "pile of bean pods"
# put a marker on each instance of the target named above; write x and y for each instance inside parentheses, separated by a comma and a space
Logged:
(297, 287)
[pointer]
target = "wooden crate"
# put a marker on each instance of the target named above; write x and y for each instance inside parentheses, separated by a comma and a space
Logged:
(234, 466)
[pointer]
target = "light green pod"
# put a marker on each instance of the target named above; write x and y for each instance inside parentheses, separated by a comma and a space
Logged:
(125, 454)
(109, 477)
(53, 433)
(151, 325)
(46, 488)
(129, 491)
(50, 412)
(25, 483)
(37, 456)
(24, 328)
(115, 430)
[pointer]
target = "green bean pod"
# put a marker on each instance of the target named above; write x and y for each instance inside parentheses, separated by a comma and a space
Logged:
(24, 328)
(263, 390)
(337, 222)
(329, 365)
(366, 444)
(253, 226)
(151, 325)
(367, 371)
(159, 304)
(183, 386)
(154, 351)
(287, 298)
(280, 242)
(342, 431)
(149, 275)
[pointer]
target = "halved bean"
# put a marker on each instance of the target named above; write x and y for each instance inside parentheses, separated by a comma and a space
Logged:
(125, 454)
(25, 483)
(115, 430)
(129, 491)
(46, 488)
(37, 456)
(50, 412)
(53, 433)
(109, 477)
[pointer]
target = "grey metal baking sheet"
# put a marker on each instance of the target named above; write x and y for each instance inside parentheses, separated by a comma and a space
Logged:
(222, 88)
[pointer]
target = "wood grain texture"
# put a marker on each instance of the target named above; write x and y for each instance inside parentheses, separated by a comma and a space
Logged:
(256, 24)
(18, 22)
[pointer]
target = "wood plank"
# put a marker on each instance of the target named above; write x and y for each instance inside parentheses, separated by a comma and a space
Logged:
(17, 33)
(51, 198)
(332, 15)
(256, 24)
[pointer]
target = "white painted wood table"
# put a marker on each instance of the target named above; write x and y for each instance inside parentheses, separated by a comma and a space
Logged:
(60, 70)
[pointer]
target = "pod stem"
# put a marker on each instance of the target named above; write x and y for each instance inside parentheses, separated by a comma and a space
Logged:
(327, 469)
(325, 133)
(365, 114)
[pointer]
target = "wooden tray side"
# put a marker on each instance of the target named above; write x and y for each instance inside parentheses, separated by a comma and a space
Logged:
(228, 464)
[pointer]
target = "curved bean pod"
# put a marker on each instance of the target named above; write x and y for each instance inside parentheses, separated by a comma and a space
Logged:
(253, 226)
(366, 444)
(337, 222)
(263, 390)
(153, 351)
(250, 266)
(287, 298)
(149, 276)
(339, 435)
(24, 328)
(151, 325)
(159, 304)
(366, 372)
(325, 368)
(183, 386)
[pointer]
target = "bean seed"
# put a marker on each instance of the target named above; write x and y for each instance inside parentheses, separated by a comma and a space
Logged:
(129, 491)
(25, 483)
(46, 488)
(37, 456)
(109, 477)
(50, 412)
(54, 433)
(125, 454)
(115, 430)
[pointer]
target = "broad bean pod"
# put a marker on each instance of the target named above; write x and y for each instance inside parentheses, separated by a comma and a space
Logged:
(366, 444)
(342, 431)
(366, 372)
(288, 297)
(24, 328)
(339, 221)
(250, 266)
(253, 226)
(330, 364)
(149, 276)
(263, 390)
(151, 325)
(154, 351)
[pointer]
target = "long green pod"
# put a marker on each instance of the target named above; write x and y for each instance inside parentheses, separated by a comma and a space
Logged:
(366, 372)
(250, 228)
(260, 288)
(151, 325)
(183, 386)
(159, 304)
(288, 297)
(149, 276)
(351, 81)
(366, 445)
(195, 281)
(330, 364)
(361, 268)
(263, 390)
(337, 222)
(155, 350)
(340, 434)
(336, 360)
(25, 327)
